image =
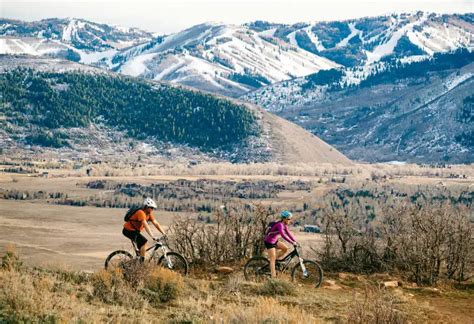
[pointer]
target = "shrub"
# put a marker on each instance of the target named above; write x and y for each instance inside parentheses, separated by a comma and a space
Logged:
(274, 287)
(163, 285)
(377, 306)
(422, 235)
(10, 261)
(264, 310)
(234, 235)
(111, 288)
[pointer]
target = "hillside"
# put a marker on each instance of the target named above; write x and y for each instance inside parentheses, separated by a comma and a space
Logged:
(225, 59)
(63, 110)
(77, 40)
(415, 111)
(367, 40)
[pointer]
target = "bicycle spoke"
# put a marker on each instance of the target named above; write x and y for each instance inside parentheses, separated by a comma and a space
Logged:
(312, 276)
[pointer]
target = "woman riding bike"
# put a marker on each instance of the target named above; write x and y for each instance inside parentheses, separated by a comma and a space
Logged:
(271, 242)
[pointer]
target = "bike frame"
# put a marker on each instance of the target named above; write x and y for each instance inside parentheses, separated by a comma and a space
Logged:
(289, 257)
(157, 245)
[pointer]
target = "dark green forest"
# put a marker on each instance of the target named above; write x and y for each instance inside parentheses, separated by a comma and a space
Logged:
(139, 108)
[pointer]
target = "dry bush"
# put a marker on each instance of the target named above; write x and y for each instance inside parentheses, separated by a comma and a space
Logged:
(274, 287)
(234, 234)
(11, 261)
(163, 285)
(264, 310)
(377, 306)
(414, 234)
(427, 242)
(111, 288)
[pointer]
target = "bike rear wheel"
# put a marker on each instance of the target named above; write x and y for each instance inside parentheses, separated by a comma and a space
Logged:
(257, 269)
(117, 259)
(313, 277)
(177, 263)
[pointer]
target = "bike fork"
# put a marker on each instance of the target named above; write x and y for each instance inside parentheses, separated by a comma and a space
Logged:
(305, 272)
(168, 260)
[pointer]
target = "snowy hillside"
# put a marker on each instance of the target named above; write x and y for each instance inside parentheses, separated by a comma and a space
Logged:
(77, 40)
(367, 40)
(233, 60)
(416, 111)
(221, 58)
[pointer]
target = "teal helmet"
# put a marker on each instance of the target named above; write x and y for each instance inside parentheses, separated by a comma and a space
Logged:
(286, 214)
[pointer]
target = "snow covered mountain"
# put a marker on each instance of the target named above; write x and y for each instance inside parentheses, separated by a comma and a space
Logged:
(233, 60)
(416, 111)
(220, 58)
(368, 40)
(77, 40)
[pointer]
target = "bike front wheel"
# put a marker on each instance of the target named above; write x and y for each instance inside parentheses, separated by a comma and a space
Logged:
(257, 269)
(117, 259)
(174, 261)
(312, 277)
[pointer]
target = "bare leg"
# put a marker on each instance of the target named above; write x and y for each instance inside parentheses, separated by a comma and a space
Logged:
(282, 249)
(272, 257)
(143, 250)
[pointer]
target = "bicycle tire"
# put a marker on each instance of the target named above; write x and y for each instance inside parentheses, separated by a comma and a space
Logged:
(116, 255)
(315, 276)
(256, 269)
(183, 270)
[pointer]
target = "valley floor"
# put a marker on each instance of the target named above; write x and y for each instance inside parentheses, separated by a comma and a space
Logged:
(63, 249)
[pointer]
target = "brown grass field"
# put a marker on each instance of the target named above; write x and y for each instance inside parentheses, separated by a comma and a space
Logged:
(80, 238)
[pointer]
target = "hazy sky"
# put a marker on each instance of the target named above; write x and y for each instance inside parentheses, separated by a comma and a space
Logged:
(166, 16)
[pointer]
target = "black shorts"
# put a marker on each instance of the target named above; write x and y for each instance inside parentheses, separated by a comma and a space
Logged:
(269, 245)
(135, 236)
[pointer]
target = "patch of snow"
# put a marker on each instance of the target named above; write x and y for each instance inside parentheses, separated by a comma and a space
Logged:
(354, 32)
(67, 31)
(414, 58)
(292, 38)
(94, 57)
(314, 39)
(268, 32)
(136, 66)
(388, 47)
(4, 48)
(453, 82)
(396, 162)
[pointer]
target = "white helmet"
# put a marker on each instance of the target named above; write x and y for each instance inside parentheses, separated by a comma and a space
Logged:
(148, 202)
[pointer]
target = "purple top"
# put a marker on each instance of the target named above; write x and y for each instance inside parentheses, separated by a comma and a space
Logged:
(279, 228)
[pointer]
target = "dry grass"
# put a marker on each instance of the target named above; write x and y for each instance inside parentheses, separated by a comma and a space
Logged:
(263, 310)
(38, 295)
(376, 306)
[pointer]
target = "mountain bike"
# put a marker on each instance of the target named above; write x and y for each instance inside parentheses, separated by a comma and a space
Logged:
(306, 272)
(167, 259)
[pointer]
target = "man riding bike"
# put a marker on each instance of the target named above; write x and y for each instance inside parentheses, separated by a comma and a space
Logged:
(271, 239)
(139, 221)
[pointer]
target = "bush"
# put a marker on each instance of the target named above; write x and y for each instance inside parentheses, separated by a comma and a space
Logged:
(10, 261)
(377, 306)
(163, 285)
(232, 236)
(111, 288)
(421, 235)
(274, 287)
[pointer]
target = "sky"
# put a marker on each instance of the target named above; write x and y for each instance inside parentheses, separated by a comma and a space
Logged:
(168, 16)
